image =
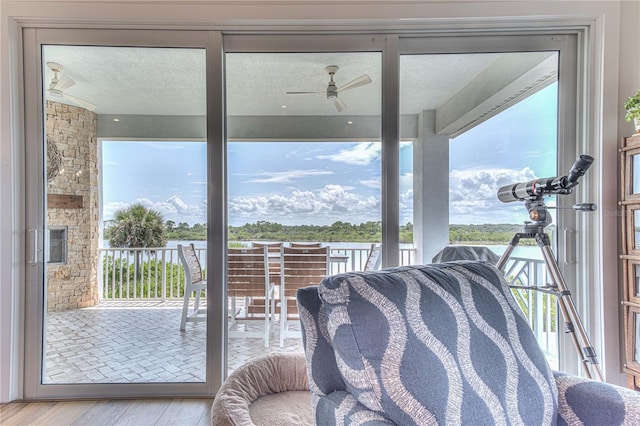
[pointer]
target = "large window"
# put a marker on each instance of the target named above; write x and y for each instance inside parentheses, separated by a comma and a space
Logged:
(476, 172)
(478, 122)
(113, 298)
(351, 141)
(304, 168)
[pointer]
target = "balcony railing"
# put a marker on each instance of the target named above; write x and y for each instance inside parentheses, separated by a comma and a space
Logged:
(157, 274)
(539, 308)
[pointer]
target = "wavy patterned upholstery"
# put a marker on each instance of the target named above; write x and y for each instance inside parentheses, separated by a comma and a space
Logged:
(431, 344)
(585, 401)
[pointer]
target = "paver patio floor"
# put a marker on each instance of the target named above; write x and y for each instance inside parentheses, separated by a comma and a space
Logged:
(138, 342)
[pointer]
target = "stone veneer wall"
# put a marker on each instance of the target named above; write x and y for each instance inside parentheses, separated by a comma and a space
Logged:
(74, 132)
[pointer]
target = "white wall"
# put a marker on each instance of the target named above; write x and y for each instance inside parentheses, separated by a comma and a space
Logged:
(615, 76)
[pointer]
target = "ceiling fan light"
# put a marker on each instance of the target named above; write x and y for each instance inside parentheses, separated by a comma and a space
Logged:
(55, 93)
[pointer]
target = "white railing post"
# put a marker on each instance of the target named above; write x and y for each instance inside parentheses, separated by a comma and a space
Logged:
(539, 305)
(99, 273)
(163, 293)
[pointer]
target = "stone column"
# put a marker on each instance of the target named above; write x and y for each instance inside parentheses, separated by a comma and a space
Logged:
(73, 203)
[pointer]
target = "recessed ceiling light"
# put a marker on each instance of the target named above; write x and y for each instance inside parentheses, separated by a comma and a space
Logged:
(349, 122)
(116, 119)
(284, 107)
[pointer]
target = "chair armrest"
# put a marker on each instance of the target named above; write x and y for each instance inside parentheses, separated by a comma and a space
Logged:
(585, 401)
(324, 375)
(342, 408)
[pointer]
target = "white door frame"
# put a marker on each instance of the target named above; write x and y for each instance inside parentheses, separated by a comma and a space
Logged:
(35, 205)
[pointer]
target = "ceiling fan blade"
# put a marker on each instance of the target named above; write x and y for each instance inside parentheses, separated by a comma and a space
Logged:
(339, 104)
(80, 102)
(64, 83)
(303, 93)
(357, 82)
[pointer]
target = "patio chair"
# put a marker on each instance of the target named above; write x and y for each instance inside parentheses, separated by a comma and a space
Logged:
(193, 282)
(301, 267)
(305, 245)
(453, 253)
(273, 252)
(374, 259)
(257, 304)
(248, 277)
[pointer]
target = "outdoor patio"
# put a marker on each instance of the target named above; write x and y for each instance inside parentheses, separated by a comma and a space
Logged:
(133, 334)
(127, 341)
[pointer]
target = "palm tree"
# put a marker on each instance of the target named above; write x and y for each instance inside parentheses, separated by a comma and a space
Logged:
(137, 226)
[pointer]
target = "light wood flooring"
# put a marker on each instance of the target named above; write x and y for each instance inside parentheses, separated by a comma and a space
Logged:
(138, 412)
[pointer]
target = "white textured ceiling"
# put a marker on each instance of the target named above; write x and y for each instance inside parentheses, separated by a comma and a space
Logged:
(123, 80)
(170, 81)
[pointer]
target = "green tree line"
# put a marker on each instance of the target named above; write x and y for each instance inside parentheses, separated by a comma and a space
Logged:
(341, 232)
(138, 226)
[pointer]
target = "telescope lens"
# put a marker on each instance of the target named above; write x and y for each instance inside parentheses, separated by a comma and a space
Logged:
(506, 194)
(579, 168)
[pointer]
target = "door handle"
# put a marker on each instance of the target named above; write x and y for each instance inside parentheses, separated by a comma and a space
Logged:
(569, 246)
(32, 246)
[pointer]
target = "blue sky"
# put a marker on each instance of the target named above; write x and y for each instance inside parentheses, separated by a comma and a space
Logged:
(321, 183)
(517, 145)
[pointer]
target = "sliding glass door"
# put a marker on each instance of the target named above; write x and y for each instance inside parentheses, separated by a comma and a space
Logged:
(122, 183)
(367, 145)
(478, 115)
(303, 168)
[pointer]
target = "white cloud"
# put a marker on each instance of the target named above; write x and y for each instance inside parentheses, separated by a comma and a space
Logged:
(371, 183)
(324, 206)
(299, 202)
(406, 206)
(174, 208)
(163, 146)
(336, 200)
(361, 154)
(406, 180)
(473, 195)
(112, 207)
(287, 176)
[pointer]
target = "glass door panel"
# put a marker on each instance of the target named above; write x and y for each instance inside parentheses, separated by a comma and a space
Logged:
(126, 185)
(304, 167)
(477, 122)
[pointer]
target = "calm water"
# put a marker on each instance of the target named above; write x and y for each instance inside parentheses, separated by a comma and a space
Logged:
(528, 252)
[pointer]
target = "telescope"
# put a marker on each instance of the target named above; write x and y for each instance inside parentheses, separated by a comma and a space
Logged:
(532, 194)
(538, 188)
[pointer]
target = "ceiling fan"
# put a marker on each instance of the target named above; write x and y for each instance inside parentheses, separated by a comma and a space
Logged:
(58, 86)
(332, 90)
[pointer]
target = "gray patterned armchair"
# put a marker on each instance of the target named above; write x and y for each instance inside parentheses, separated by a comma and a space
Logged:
(438, 344)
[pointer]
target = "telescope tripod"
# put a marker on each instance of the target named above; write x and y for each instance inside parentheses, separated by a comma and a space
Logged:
(558, 287)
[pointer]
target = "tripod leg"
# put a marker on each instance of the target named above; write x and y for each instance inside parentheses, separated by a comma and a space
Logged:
(569, 312)
(507, 253)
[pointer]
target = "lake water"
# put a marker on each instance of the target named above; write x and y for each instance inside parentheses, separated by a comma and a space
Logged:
(528, 252)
